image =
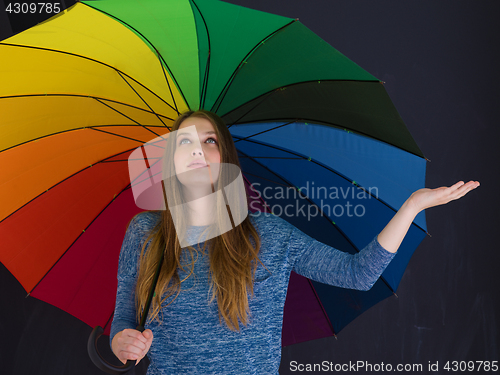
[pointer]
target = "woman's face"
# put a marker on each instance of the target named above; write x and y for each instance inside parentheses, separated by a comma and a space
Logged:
(196, 147)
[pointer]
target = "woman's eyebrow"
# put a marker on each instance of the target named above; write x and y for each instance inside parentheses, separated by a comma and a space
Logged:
(210, 132)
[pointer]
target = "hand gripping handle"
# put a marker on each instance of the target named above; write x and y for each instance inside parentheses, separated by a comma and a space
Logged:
(100, 362)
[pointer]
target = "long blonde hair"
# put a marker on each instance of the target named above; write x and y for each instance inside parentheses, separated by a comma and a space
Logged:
(233, 256)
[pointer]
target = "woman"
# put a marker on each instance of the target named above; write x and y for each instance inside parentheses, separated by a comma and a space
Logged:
(219, 309)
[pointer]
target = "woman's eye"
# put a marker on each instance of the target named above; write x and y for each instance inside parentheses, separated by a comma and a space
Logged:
(181, 142)
(213, 139)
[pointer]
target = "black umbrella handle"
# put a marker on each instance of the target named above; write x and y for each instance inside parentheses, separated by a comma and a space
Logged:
(100, 362)
(94, 355)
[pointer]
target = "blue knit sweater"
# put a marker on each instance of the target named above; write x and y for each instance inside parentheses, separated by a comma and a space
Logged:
(191, 340)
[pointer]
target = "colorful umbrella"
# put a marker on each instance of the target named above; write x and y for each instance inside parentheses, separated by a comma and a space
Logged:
(81, 91)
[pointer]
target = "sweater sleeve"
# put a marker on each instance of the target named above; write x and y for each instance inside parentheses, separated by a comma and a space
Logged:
(125, 312)
(325, 264)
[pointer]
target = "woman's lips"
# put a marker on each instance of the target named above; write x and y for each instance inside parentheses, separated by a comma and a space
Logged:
(197, 165)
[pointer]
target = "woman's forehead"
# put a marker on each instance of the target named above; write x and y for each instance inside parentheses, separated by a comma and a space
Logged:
(202, 125)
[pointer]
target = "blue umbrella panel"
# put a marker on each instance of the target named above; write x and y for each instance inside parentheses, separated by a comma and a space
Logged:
(341, 189)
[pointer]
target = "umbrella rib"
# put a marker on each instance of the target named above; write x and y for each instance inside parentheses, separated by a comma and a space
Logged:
(323, 166)
(84, 127)
(96, 61)
(229, 82)
(322, 307)
(294, 84)
(60, 182)
(267, 179)
(265, 131)
(302, 157)
(134, 90)
(207, 67)
(135, 182)
(173, 78)
(168, 83)
(266, 95)
(122, 136)
(128, 186)
(263, 98)
(157, 52)
(337, 126)
(76, 239)
(71, 130)
(101, 100)
(273, 157)
(264, 204)
(322, 214)
(149, 158)
(131, 119)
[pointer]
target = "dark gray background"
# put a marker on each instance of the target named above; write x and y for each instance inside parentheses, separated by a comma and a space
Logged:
(439, 60)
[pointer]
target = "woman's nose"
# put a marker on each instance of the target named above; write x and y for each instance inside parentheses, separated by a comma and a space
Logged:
(197, 151)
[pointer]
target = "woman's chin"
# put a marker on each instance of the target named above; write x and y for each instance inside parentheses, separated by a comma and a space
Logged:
(197, 187)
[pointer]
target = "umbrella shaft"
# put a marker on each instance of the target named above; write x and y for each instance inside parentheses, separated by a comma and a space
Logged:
(144, 316)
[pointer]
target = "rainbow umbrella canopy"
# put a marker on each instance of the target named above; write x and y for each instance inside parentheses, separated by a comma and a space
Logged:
(318, 137)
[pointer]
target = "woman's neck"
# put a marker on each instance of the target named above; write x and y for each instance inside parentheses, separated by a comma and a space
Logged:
(201, 211)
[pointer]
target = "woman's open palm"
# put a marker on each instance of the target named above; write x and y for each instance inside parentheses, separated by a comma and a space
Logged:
(426, 198)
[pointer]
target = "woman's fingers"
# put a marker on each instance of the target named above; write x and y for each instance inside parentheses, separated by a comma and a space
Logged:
(461, 188)
(134, 345)
(148, 334)
(133, 333)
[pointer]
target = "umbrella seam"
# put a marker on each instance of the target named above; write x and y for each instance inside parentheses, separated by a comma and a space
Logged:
(90, 97)
(320, 122)
(264, 204)
(96, 61)
(160, 57)
(207, 67)
(225, 89)
(131, 119)
(76, 239)
(60, 182)
(299, 83)
(318, 163)
(301, 156)
(321, 165)
(302, 82)
(128, 117)
(71, 130)
(129, 85)
(263, 98)
(322, 307)
(121, 136)
(265, 131)
(325, 216)
(86, 127)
